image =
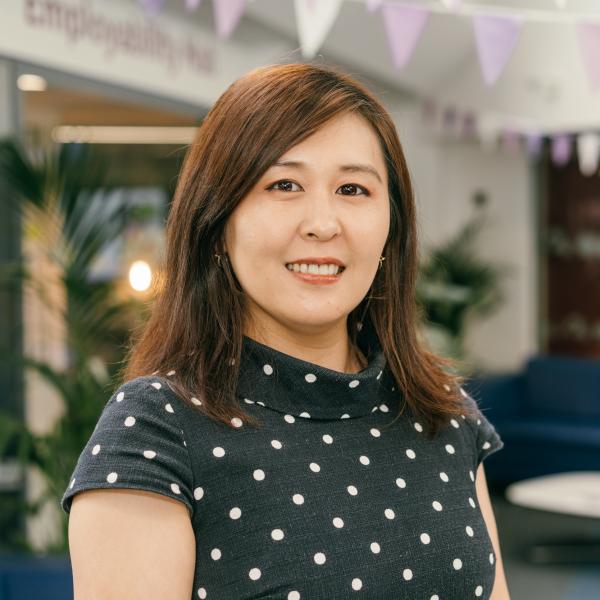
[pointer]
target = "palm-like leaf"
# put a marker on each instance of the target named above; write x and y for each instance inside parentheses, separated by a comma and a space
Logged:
(55, 192)
(454, 283)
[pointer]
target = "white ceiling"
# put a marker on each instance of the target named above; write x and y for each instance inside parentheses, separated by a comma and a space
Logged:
(544, 86)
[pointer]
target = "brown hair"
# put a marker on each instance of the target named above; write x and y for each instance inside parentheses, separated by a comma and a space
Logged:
(195, 323)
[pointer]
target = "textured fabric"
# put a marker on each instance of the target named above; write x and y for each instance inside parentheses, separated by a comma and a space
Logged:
(327, 500)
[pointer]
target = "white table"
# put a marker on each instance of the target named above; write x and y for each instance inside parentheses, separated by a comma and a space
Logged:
(576, 493)
(573, 493)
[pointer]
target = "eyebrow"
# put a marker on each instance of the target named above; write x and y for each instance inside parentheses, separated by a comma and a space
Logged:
(354, 168)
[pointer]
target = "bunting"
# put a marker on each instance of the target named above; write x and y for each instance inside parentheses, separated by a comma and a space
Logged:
(227, 15)
(314, 20)
(373, 5)
(495, 38)
(588, 153)
(560, 149)
(534, 142)
(403, 26)
(496, 35)
(454, 5)
(152, 7)
(589, 39)
(192, 4)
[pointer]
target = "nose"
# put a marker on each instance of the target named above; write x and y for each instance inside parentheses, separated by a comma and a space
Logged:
(320, 217)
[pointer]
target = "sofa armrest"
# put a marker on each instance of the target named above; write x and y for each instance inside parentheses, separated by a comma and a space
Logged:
(499, 396)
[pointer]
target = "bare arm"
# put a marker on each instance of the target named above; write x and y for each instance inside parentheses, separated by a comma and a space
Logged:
(133, 544)
(500, 591)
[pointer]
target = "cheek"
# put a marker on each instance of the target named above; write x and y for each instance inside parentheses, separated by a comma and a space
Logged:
(369, 231)
(251, 232)
(257, 241)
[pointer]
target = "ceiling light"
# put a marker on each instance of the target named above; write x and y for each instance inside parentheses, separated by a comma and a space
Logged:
(98, 134)
(28, 82)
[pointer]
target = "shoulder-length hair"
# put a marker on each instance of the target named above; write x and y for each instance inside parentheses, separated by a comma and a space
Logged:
(195, 323)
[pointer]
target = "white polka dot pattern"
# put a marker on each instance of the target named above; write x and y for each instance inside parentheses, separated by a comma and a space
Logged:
(328, 478)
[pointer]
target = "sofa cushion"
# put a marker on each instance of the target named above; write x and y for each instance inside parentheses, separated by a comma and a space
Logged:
(563, 386)
(552, 434)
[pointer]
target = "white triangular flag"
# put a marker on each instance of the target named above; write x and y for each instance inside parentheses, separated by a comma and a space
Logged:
(313, 22)
(488, 130)
(588, 153)
(452, 4)
(373, 5)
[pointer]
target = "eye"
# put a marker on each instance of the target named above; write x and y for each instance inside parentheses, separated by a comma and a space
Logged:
(356, 186)
(285, 181)
(347, 186)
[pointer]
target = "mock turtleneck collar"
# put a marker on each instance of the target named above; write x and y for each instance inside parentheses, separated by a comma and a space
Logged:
(293, 386)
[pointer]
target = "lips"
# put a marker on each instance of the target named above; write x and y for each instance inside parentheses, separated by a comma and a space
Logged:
(316, 279)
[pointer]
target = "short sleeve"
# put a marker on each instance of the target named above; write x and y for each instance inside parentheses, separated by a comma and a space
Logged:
(487, 439)
(137, 443)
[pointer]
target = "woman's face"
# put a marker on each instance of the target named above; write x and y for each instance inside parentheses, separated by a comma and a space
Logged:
(331, 203)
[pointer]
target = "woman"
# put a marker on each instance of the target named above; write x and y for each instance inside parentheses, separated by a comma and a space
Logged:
(281, 431)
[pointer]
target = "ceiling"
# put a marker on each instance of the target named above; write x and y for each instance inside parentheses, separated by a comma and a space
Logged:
(544, 87)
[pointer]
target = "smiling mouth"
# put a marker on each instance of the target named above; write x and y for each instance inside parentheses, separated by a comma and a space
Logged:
(340, 270)
(316, 278)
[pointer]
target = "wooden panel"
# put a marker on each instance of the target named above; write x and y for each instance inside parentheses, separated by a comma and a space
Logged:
(572, 254)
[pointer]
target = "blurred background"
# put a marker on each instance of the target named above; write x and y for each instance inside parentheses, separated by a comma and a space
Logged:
(497, 105)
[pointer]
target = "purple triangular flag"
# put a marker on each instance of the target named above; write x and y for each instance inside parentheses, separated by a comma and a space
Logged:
(428, 111)
(373, 5)
(469, 125)
(449, 118)
(192, 4)
(511, 140)
(589, 38)
(403, 27)
(495, 38)
(561, 149)
(152, 7)
(227, 15)
(534, 142)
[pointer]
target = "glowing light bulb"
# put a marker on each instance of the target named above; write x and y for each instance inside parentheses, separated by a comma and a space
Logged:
(28, 82)
(140, 275)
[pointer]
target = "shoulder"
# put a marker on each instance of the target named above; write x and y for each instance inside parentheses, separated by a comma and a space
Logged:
(484, 437)
(142, 385)
(150, 391)
(138, 442)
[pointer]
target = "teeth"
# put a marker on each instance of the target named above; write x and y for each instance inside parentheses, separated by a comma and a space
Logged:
(314, 269)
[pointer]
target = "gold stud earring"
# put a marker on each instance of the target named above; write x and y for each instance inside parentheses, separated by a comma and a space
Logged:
(381, 259)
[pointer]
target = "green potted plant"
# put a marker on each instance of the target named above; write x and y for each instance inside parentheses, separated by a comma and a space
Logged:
(456, 285)
(53, 190)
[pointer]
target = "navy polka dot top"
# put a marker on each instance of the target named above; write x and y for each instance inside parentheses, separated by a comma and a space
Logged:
(326, 501)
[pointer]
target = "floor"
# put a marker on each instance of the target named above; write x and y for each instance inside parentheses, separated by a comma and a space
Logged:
(519, 527)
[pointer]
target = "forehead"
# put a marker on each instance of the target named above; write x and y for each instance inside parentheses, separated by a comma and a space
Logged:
(349, 127)
(346, 139)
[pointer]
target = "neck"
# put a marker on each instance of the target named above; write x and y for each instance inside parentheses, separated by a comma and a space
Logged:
(332, 349)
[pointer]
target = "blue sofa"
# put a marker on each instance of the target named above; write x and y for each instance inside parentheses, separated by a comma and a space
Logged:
(26, 577)
(548, 416)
